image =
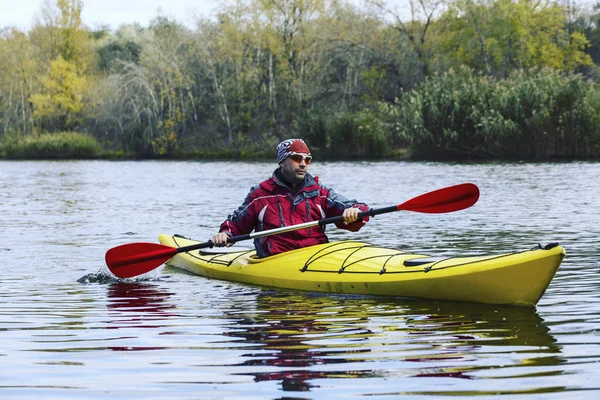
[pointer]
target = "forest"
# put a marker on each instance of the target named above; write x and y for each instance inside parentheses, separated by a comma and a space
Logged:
(376, 79)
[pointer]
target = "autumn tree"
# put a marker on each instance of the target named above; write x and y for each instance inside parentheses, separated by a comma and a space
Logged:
(63, 41)
(499, 36)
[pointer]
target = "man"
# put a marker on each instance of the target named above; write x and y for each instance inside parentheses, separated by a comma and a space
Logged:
(291, 196)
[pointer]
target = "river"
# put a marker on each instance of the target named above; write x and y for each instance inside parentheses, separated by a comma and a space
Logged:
(69, 330)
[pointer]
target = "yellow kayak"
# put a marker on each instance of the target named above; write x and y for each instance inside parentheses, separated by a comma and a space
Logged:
(349, 267)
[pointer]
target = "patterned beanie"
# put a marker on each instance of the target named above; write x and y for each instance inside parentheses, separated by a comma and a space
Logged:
(289, 147)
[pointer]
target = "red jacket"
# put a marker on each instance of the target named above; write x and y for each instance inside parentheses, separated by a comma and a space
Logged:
(272, 204)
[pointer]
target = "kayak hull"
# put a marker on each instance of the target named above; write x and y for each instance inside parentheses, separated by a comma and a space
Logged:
(349, 267)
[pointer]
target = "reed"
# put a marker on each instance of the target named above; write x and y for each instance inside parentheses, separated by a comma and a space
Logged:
(64, 145)
(536, 115)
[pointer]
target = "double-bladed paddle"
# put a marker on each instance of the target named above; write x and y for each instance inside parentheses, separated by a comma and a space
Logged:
(133, 259)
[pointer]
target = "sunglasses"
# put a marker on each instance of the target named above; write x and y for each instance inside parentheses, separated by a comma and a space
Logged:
(298, 158)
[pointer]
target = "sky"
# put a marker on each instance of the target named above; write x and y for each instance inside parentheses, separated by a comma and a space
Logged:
(21, 13)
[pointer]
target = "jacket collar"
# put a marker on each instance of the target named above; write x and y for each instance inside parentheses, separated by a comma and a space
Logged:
(276, 181)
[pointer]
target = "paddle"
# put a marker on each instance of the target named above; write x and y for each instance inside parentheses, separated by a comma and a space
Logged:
(134, 259)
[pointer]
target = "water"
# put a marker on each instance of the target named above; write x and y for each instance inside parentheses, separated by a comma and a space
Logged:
(71, 331)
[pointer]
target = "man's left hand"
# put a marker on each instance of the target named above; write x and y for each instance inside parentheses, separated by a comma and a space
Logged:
(350, 215)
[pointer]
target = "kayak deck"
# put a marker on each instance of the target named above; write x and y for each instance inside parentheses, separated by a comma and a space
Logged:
(350, 267)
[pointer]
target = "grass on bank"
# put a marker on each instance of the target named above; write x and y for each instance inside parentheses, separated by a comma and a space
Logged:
(63, 146)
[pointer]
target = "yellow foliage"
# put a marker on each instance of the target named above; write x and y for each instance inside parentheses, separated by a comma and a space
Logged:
(61, 33)
(502, 35)
(63, 93)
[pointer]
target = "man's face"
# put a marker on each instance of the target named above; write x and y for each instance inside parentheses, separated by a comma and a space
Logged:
(294, 167)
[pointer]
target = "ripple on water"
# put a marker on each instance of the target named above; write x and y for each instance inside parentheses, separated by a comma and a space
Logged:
(69, 327)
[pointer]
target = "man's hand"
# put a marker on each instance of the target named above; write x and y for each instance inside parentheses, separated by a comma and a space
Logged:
(220, 240)
(350, 215)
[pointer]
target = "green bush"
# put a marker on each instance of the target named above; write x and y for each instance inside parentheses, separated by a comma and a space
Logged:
(362, 135)
(313, 129)
(64, 145)
(536, 115)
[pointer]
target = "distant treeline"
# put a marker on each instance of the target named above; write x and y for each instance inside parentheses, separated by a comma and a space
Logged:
(449, 79)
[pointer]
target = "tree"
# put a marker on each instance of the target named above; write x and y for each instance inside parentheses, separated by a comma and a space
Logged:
(124, 45)
(59, 32)
(416, 28)
(64, 44)
(291, 42)
(499, 36)
(586, 20)
(62, 97)
(17, 82)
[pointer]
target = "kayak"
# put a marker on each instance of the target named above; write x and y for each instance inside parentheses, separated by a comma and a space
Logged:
(356, 268)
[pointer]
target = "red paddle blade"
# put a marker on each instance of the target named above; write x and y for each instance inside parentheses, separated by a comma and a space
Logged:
(133, 259)
(449, 199)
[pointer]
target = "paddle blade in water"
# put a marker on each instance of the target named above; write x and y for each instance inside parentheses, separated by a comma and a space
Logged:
(133, 259)
(449, 199)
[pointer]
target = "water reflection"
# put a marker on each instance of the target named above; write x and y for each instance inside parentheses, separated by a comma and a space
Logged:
(283, 325)
(139, 297)
(61, 217)
(304, 338)
(138, 305)
(469, 339)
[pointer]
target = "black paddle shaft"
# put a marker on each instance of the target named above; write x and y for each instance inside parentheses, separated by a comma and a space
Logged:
(321, 222)
(371, 213)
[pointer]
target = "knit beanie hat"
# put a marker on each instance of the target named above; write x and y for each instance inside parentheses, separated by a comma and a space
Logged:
(289, 147)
